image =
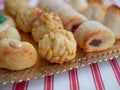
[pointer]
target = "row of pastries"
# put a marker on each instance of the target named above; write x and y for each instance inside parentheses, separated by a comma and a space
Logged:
(100, 10)
(14, 53)
(57, 31)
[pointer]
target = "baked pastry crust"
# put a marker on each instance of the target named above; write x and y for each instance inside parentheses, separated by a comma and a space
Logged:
(68, 15)
(12, 6)
(10, 21)
(93, 36)
(58, 46)
(95, 11)
(79, 5)
(16, 55)
(44, 23)
(9, 32)
(112, 20)
(26, 17)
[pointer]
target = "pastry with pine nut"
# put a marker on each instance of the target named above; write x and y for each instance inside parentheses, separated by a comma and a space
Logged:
(58, 47)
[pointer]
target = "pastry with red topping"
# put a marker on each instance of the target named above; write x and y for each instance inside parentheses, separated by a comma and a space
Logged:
(92, 36)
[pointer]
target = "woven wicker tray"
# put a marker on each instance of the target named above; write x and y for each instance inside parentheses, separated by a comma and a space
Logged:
(43, 67)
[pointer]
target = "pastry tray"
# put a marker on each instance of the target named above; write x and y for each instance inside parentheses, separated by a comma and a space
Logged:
(43, 67)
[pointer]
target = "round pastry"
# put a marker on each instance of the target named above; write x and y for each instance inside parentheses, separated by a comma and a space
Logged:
(26, 17)
(79, 5)
(93, 36)
(95, 11)
(112, 20)
(46, 22)
(16, 55)
(58, 46)
(12, 7)
(7, 31)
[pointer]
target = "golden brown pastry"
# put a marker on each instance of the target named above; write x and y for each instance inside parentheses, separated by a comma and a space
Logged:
(26, 17)
(16, 55)
(58, 46)
(71, 18)
(93, 36)
(95, 10)
(12, 6)
(46, 22)
(22, 13)
(7, 30)
(29, 19)
(79, 5)
(112, 20)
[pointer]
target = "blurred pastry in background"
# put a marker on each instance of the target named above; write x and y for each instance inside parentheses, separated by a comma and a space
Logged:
(112, 20)
(95, 10)
(79, 5)
(12, 6)
(71, 18)
(34, 20)
(92, 36)
(21, 12)
(58, 47)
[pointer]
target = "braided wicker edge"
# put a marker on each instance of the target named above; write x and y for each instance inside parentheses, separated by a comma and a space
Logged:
(55, 69)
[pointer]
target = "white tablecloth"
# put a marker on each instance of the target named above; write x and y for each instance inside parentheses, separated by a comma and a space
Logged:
(99, 76)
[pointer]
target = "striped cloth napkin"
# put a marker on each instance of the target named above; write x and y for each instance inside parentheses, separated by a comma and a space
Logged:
(98, 76)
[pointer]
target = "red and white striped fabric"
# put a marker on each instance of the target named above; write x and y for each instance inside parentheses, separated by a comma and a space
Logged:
(99, 76)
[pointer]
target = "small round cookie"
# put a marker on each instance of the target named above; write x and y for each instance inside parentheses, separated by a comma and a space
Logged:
(112, 20)
(46, 22)
(58, 46)
(16, 55)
